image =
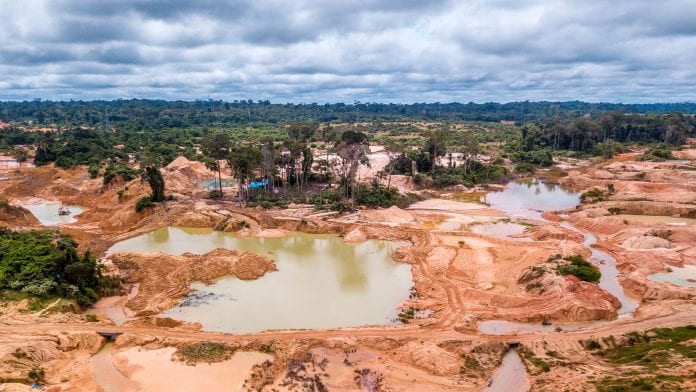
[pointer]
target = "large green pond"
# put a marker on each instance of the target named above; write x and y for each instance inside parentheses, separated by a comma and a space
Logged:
(321, 282)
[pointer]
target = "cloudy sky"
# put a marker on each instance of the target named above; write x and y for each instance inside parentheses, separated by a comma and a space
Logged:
(334, 50)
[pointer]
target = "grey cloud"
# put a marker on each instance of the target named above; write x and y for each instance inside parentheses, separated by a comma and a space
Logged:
(387, 50)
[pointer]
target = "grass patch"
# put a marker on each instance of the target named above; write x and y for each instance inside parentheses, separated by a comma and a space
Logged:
(205, 352)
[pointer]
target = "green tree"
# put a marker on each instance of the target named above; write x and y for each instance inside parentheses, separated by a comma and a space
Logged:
(20, 155)
(353, 150)
(217, 146)
(244, 161)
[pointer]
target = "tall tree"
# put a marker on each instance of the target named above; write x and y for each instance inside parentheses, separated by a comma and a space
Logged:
(20, 155)
(394, 151)
(151, 173)
(217, 146)
(244, 161)
(353, 150)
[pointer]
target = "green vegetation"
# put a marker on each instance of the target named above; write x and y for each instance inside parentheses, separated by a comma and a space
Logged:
(122, 170)
(205, 352)
(653, 357)
(44, 264)
(594, 194)
(658, 154)
(580, 268)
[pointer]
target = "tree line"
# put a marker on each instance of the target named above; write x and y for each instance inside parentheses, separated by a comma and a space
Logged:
(143, 114)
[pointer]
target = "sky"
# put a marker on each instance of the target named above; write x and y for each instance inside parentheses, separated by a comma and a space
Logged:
(630, 51)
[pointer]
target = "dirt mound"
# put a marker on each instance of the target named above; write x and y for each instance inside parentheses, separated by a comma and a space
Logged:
(164, 279)
(645, 242)
(392, 215)
(16, 216)
(550, 232)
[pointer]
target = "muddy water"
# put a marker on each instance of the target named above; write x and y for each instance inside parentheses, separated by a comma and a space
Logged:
(529, 198)
(47, 213)
(500, 230)
(511, 376)
(606, 263)
(213, 184)
(657, 219)
(680, 276)
(503, 327)
(321, 282)
(107, 376)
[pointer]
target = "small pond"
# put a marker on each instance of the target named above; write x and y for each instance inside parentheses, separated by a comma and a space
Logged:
(213, 184)
(511, 376)
(528, 198)
(504, 327)
(47, 213)
(681, 276)
(321, 282)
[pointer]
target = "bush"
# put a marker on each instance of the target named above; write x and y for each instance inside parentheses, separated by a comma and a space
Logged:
(93, 171)
(580, 268)
(525, 168)
(119, 169)
(143, 203)
(594, 194)
(214, 194)
(65, 162)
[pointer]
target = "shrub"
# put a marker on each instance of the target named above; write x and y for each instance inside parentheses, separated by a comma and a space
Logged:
(214, 194)
(65, 162)
(93, 171)
(525, 168)
(580, 268)
(119, 169)
(143, 203)
(592, 194)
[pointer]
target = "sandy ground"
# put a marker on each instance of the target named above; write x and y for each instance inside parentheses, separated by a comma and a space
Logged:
(460, 278)
(154, 370)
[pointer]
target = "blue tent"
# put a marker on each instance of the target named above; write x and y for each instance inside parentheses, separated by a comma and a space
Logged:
(258, 184)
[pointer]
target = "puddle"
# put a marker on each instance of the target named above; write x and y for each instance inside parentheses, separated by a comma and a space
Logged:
(47, 213)
(606, 263)
(511, 376)
(321, 282)
(529, 198)
(154, 370)
(503, 327)
(106, 374)
(500, 230)
(213, 184)
(679, 276)
(657, 219)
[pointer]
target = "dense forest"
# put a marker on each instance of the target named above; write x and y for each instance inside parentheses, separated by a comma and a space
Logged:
(267, 142)
(44, 263)
(158, 114)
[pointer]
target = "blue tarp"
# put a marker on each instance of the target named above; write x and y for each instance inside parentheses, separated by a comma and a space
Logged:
(258, 184)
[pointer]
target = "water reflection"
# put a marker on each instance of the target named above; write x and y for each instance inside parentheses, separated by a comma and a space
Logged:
(321, 282)
(528, 198)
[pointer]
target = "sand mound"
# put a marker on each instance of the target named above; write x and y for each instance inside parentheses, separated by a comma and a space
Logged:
(13, 216)
(391, 215)
(164, 279)
(645, 242)
(549, 232)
